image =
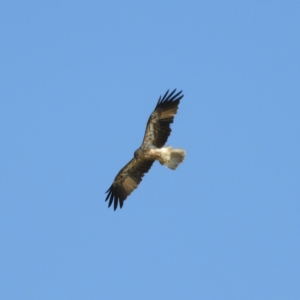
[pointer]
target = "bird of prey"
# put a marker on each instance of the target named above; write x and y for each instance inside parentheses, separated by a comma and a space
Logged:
(152, 148)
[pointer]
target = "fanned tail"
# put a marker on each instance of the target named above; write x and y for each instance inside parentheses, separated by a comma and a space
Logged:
(177, 156)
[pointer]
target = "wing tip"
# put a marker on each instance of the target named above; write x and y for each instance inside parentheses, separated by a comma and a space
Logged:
(169, 97)
(114, 197)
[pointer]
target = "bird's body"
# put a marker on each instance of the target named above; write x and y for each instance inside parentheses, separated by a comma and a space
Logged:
(163, 155)
(156, 134)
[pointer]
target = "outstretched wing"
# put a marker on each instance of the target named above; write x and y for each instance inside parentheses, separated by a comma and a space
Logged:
(158, 127)
(127, 180)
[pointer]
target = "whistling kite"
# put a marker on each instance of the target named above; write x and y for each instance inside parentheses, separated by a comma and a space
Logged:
(156, 134)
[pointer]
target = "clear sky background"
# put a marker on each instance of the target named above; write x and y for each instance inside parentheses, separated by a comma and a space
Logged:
(79, 80)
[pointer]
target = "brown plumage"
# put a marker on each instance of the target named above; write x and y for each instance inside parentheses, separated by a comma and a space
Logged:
(157, 132)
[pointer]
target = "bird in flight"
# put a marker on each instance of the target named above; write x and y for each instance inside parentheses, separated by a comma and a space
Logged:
(157, 132)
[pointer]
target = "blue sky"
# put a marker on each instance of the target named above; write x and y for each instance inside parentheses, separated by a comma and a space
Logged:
(78, 83)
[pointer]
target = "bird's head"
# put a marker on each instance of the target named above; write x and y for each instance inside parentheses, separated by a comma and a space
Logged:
(137, 153)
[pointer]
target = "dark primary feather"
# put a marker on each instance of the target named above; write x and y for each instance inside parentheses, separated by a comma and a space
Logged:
(167, 99)
(162, 116)
(127, 180)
